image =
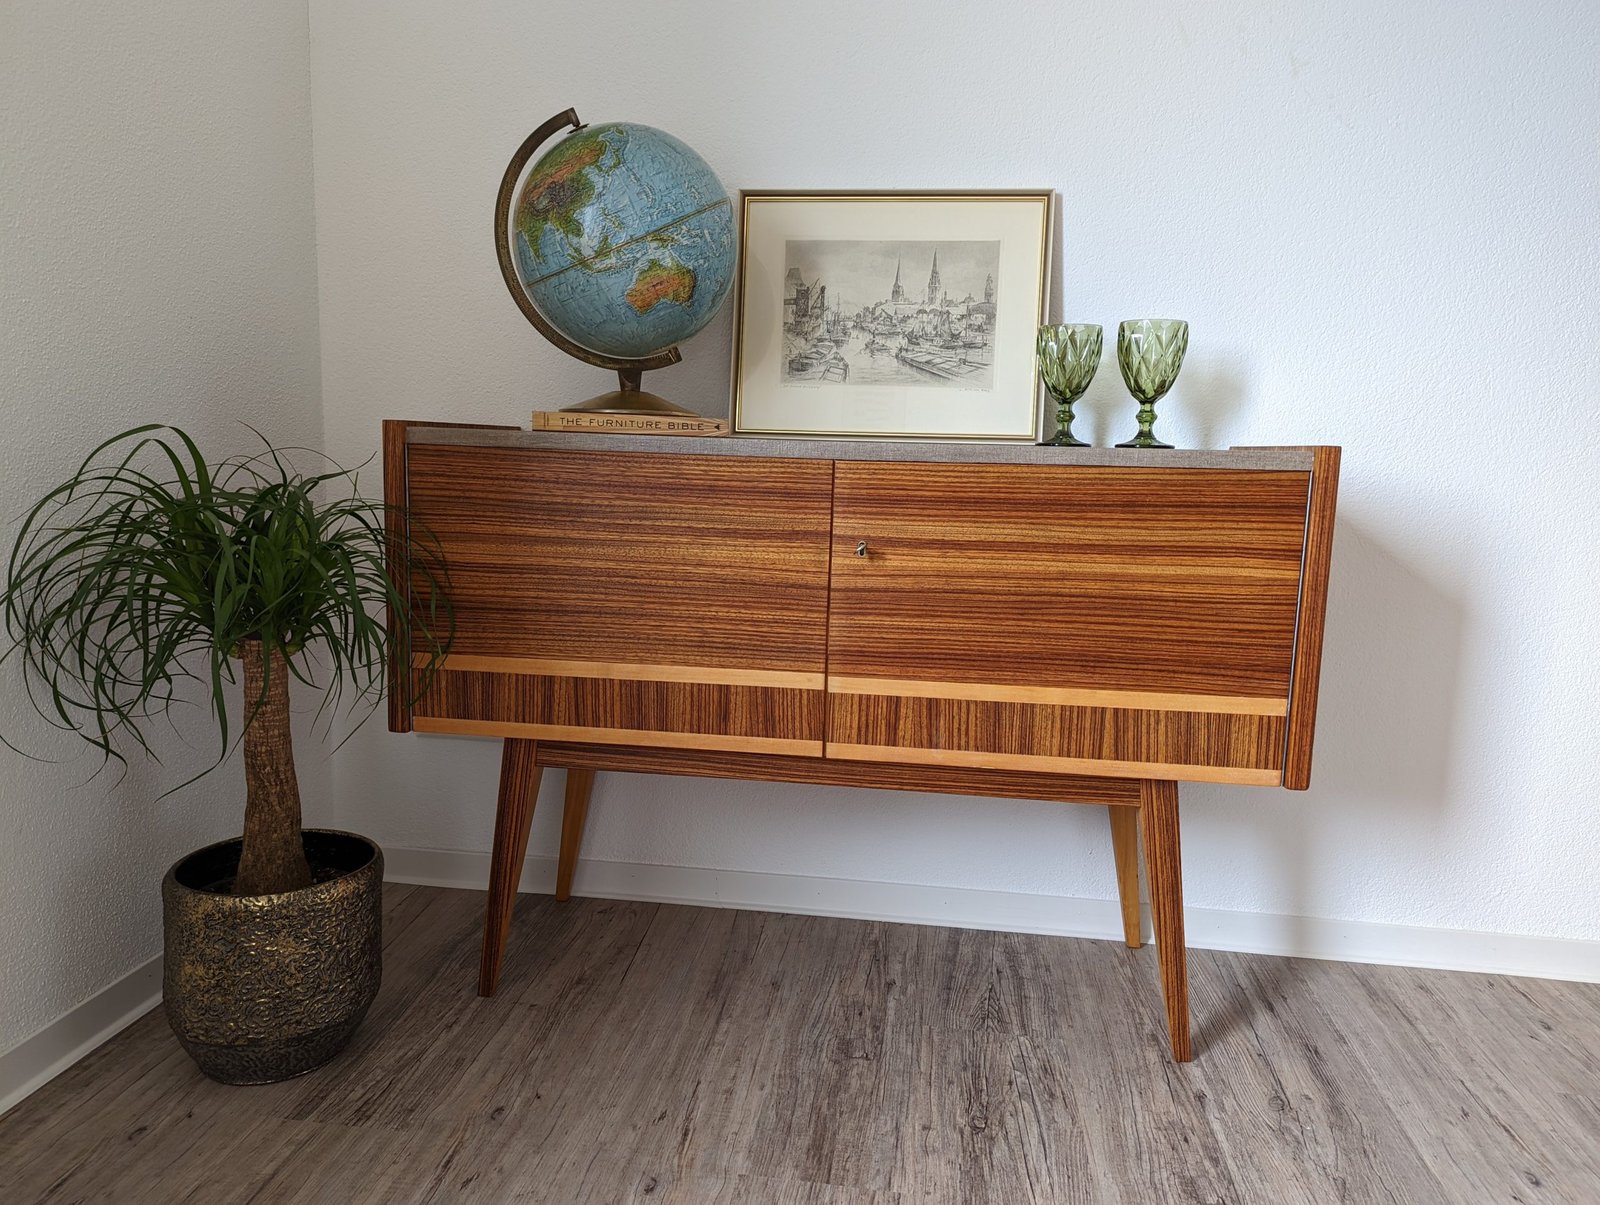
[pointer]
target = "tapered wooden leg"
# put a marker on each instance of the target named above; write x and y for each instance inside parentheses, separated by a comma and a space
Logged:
(1158, 817)
(1125, 847)
(519, 791)
(576, 810)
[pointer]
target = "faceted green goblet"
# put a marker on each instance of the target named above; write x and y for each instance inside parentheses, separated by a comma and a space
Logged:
(1150, 352)
(1068, 357)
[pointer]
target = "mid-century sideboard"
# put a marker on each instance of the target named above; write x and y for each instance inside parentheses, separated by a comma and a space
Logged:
(1076, 625)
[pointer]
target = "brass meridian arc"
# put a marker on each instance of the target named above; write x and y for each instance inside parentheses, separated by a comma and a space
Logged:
(628, 399)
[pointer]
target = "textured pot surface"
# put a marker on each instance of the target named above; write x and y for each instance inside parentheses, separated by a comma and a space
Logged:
(262, 988)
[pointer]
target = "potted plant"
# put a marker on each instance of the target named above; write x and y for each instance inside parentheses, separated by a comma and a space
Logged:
(150, 575)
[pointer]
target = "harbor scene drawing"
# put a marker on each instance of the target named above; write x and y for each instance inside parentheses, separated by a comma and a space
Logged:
(876, 312)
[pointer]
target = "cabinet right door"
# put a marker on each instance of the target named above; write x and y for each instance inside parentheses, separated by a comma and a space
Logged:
(1116, 621)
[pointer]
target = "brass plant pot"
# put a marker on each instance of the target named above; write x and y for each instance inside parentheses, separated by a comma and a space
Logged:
(262, 988)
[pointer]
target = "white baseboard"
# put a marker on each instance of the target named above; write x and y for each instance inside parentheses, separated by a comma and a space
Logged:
(39, 1059)
(963, 907)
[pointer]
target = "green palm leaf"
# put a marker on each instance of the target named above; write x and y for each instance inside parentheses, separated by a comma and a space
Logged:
(150, 566)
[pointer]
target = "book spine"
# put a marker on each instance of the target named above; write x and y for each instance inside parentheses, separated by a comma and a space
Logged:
(627, 424)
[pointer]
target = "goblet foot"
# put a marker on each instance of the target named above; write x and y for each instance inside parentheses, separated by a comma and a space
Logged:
(1066, 439)
(1144, 441)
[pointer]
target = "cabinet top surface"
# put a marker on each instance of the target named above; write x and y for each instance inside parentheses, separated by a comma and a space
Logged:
(948, 452)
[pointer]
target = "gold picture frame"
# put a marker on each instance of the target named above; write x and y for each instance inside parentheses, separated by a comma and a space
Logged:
(915, 350)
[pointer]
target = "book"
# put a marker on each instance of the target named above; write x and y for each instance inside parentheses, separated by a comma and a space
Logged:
(590, 422)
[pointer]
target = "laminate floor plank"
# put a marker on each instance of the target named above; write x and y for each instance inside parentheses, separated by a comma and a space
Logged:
(1483, 1081)
(1291, 1099)
(801, 1083)
(141, 1067)
(984, 1123)
(616, 1106)
(1094, 1011)
(561, 990)
(645, 1053)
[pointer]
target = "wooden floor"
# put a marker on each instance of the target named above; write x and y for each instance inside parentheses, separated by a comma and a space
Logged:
(651, 1053)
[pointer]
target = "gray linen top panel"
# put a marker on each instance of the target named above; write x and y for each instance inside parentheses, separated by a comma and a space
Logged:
(943, 452)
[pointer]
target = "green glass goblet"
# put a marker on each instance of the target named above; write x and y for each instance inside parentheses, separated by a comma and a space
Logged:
(1069, 354)
(1150, 352)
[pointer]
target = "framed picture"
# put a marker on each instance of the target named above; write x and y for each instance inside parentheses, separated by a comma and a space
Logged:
(890, 315)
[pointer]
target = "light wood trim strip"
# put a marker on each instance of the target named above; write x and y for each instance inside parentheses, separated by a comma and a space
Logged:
(1237, 775)
(710, 675)
(1306, 670)
(616, 736)
(1065, 696)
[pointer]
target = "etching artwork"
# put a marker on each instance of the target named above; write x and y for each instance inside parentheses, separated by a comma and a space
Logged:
(872, 312)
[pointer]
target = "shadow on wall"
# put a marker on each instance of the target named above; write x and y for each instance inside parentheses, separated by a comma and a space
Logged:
(1386, 727)
(1390, 675)
(1386, 720)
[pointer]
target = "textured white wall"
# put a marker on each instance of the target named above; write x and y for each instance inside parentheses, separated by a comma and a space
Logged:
(156, 262)
(1380, 220)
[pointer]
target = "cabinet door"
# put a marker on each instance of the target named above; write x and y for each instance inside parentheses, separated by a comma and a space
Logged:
(1136, 622)
(624, 598)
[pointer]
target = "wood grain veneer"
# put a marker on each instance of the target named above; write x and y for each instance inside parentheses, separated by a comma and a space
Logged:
(954, 780)
(637, 705)
(618, 736)
(1307, 672)
(1196, 746)
(396, 433)
(574, 812)
(394, 522)
(554, 667)
(1163, 581)
(1036, 764)
(1158, 823)
(519, 792)
(1125, 851)
(680, 560)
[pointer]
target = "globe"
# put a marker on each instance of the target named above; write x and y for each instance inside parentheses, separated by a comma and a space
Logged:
(623, 239)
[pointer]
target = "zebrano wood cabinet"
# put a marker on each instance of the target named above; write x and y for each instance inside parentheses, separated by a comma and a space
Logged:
(1086, 626)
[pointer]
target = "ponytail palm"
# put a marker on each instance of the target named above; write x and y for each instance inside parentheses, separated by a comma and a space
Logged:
(149, 566)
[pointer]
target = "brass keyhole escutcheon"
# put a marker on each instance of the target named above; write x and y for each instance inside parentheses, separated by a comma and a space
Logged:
(861, 548)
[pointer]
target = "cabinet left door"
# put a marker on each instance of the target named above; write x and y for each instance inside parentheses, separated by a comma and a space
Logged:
(627, 598)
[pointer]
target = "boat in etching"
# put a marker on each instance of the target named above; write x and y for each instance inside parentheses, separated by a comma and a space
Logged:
(938, 363)
(820, 362)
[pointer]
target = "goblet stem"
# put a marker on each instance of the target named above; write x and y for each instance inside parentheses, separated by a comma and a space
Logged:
(1147, 435)
(1064, 438)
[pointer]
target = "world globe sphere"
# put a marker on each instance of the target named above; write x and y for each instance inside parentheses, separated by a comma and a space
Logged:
(623, 239)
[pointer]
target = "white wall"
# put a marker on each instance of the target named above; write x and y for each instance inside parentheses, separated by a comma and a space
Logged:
(156, 263)
(1380, 220)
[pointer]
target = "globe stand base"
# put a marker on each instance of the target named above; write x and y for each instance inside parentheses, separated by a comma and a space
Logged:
(629, 399)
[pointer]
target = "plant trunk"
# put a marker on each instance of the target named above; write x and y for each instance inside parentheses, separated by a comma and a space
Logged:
(273, 857)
